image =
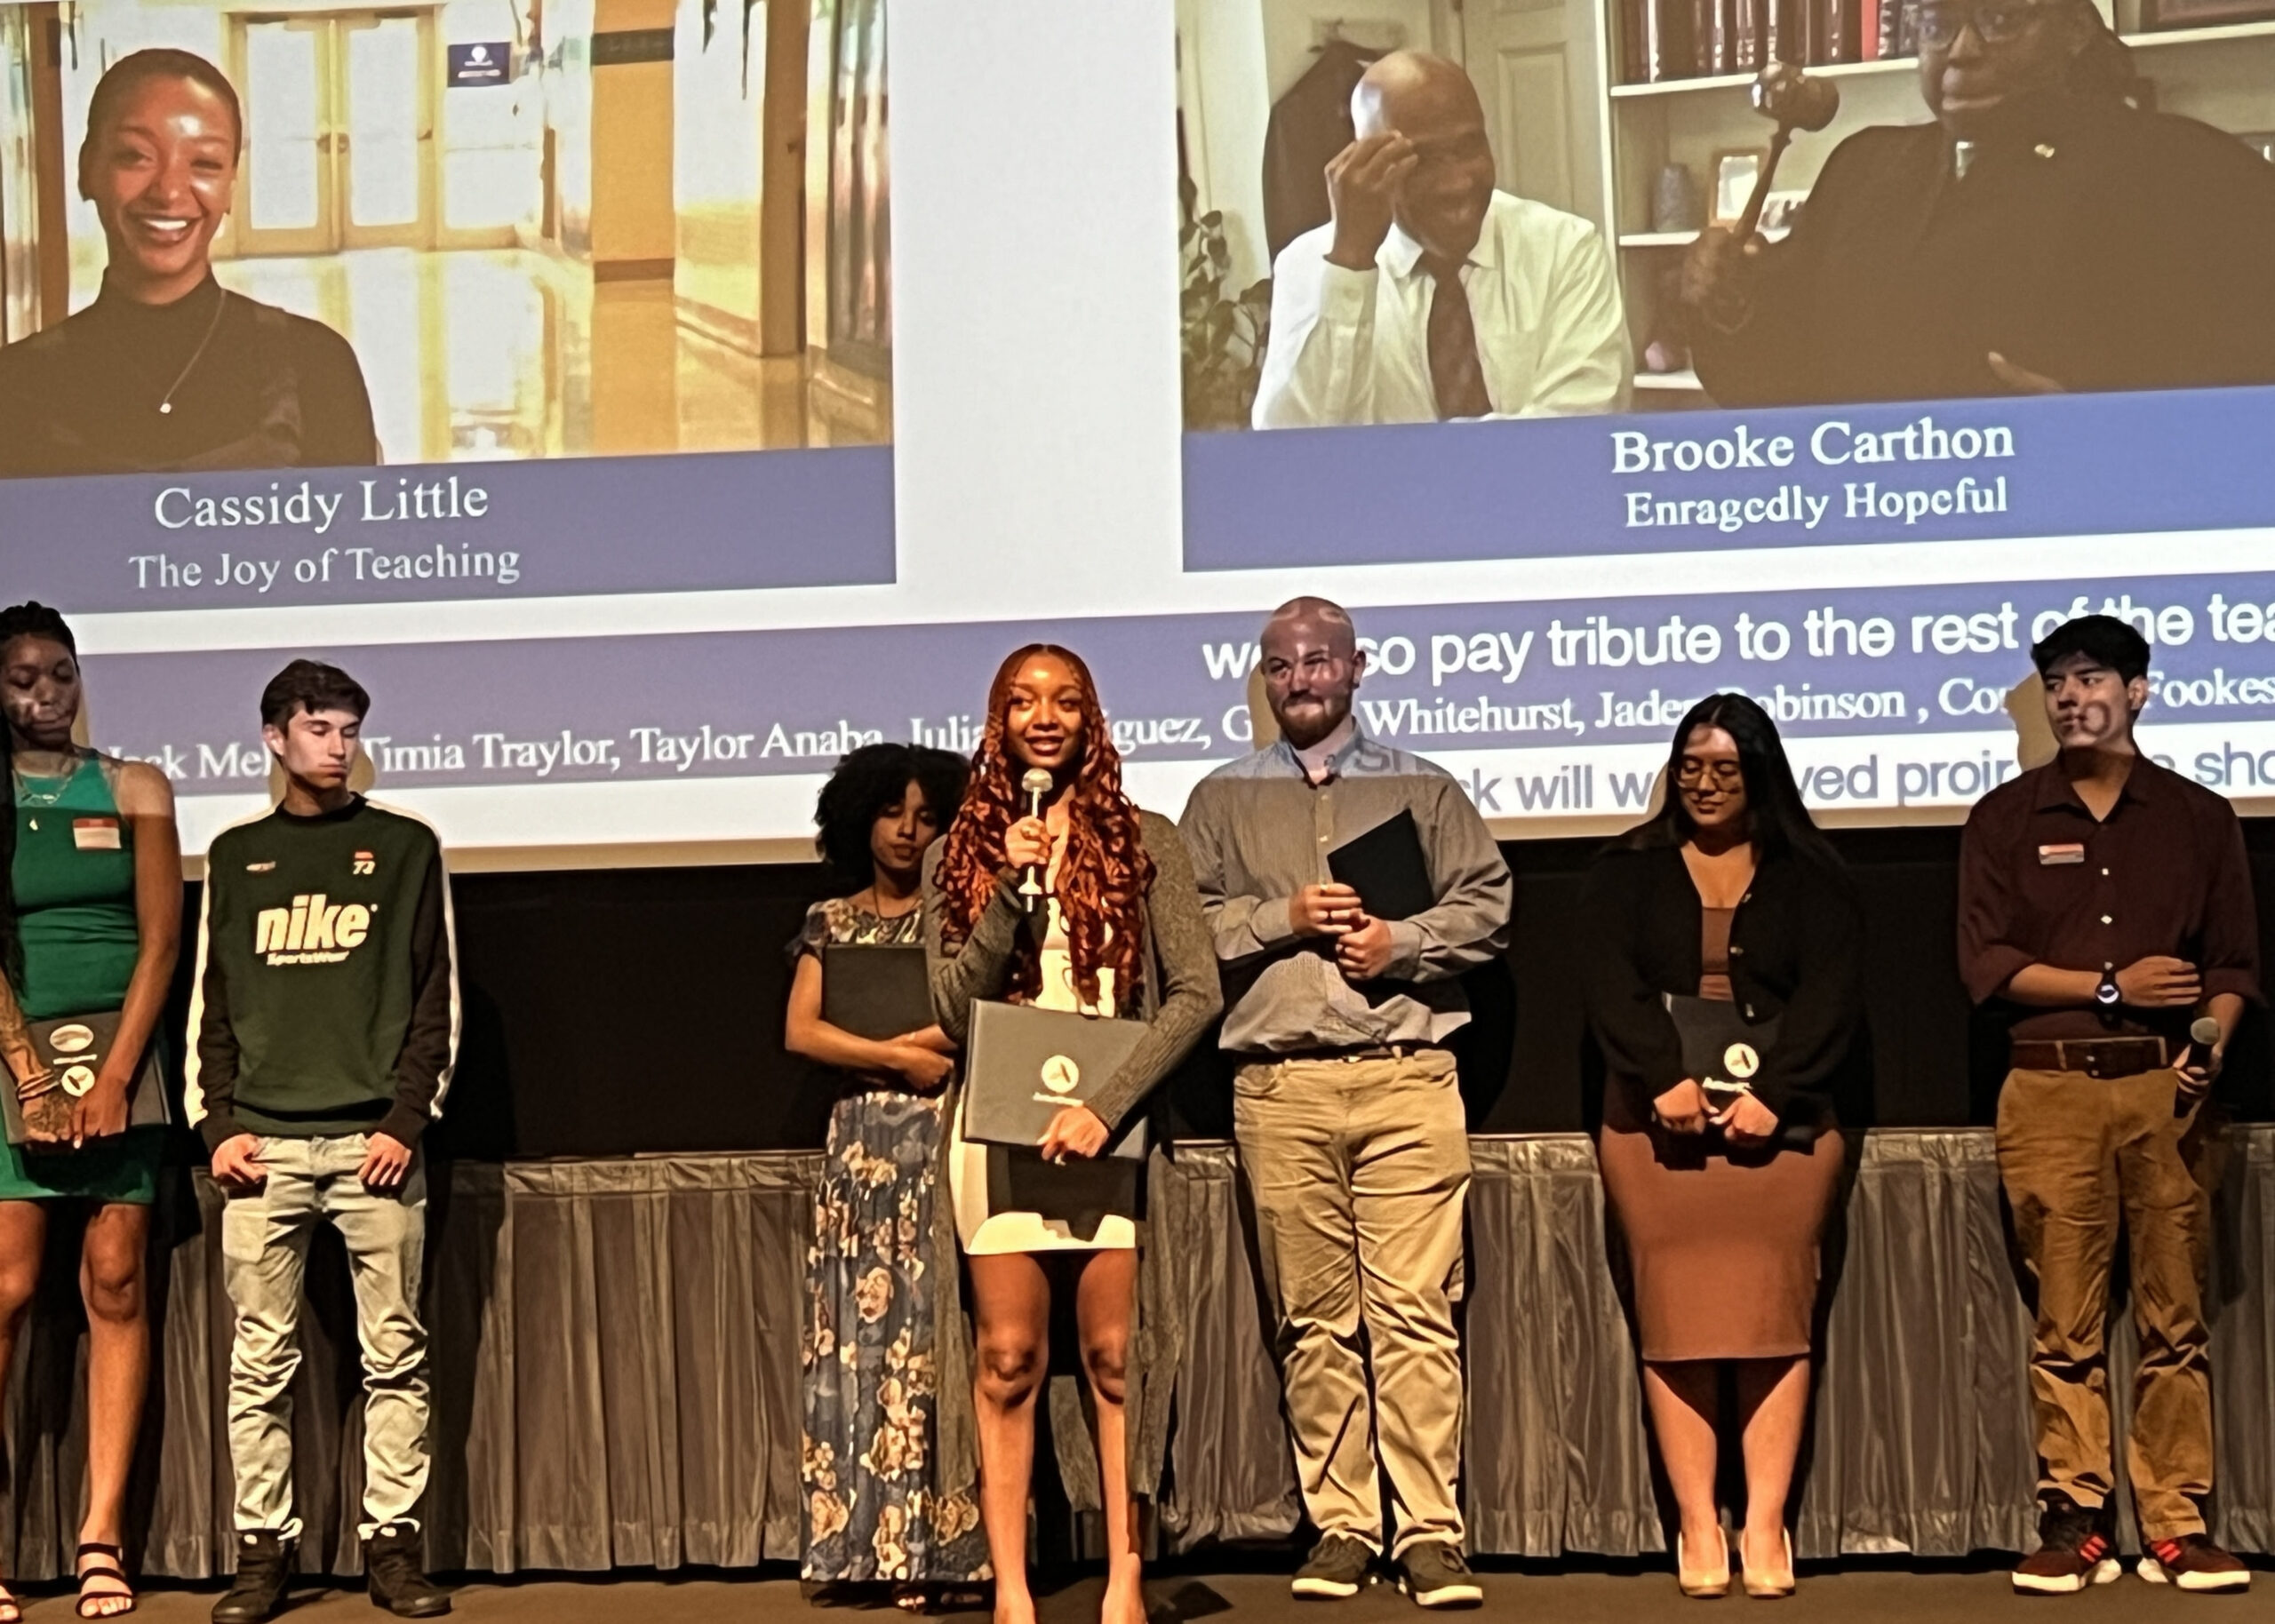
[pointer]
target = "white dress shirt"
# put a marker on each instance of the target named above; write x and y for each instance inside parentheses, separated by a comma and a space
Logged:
(1353, 347)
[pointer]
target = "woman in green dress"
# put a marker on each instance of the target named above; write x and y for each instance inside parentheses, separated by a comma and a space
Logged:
(96, 876)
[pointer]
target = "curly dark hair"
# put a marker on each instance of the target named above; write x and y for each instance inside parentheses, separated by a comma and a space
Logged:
(865, 782)
(1106, 872)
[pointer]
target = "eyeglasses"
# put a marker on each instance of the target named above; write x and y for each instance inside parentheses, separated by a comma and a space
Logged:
(1726, 775)
(1996, 22)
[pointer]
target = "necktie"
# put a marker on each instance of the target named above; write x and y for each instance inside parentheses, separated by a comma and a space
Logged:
(1457, 376)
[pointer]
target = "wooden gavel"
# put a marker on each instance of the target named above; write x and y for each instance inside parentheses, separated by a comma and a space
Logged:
(1795, 101)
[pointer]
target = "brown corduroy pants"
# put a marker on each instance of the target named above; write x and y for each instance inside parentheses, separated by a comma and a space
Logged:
(2079, 1156)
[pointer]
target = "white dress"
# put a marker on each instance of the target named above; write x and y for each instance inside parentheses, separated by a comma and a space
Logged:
(984, 1232)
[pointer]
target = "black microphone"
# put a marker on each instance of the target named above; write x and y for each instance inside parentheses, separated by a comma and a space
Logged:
(2203, 1031)
(1036, 782)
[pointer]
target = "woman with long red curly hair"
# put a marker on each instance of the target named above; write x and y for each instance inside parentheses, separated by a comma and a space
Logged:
(1120, 936)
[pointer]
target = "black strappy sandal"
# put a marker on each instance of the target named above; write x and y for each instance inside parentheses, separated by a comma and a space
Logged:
(11, 1610)
(114, 1570)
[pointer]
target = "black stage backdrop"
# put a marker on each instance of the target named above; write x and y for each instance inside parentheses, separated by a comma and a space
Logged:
(615, 1012)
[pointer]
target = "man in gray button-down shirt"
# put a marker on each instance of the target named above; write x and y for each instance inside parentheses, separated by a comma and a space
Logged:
(1350, 1122)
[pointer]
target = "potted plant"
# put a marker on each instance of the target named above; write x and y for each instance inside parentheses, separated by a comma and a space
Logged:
(1224, 330)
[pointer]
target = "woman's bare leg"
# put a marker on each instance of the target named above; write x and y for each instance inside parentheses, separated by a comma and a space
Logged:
(1104, 1303)
(1774, 1409)
(1011, 1303)
(1683, 1403)
(23, 1237)
(111, 1261)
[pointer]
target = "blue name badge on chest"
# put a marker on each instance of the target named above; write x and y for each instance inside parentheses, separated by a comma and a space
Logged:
(2073, 851)
(95, 833)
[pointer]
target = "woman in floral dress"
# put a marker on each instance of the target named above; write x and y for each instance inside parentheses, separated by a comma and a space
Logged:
(873, 1513)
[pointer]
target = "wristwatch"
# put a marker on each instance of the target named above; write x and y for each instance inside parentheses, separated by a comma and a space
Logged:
(2106, 997)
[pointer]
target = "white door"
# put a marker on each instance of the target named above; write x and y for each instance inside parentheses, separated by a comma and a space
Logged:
(287, 201)
(1534, 64)
(387, 128)
(339, 121)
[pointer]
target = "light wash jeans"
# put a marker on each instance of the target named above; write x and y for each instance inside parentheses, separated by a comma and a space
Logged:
(264, 1248)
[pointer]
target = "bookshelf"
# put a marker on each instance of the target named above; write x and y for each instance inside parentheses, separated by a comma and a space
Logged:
(1741, 82)
(2224, 76)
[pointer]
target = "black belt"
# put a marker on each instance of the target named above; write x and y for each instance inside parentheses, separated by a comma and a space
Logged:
(2096, 1057)
(1372, 1051)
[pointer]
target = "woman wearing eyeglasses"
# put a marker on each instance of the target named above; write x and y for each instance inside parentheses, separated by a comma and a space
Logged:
(1728, 893)
(2046, 231)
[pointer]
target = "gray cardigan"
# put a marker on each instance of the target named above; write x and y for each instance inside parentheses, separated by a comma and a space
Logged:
(1177, 998)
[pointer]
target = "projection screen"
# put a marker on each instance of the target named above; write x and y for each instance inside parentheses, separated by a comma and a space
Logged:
(710, 427)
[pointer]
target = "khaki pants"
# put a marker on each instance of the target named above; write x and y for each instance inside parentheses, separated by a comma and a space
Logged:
(2077, 1155)
(265, 1255)
(1359, 1169)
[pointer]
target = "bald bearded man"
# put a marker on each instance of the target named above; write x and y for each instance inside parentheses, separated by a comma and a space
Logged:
(1432, 294)
(1347, 1106)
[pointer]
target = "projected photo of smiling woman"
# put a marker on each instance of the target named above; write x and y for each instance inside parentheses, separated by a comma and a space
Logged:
(166, 368)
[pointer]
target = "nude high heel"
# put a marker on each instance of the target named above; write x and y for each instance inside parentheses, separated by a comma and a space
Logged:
(1771, 1583)
(1704, 1583)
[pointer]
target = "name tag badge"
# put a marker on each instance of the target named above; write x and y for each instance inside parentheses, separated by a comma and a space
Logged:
(95, 833)
(2049, 856)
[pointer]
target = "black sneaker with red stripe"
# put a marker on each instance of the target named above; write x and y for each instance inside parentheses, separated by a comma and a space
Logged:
(2193, 1562)
(2073, 1551)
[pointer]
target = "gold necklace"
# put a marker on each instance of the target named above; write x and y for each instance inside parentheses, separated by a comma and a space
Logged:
(166, 401)
(26, 796)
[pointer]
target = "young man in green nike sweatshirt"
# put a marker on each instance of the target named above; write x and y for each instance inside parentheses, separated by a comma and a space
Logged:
(326, 1023)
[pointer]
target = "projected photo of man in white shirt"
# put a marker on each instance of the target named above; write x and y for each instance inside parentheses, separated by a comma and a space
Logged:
(1433, 295)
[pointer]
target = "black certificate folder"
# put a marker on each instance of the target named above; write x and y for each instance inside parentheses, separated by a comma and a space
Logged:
(1026, 1065)
(1386, 866)
(1719, 1049)
(875, 991)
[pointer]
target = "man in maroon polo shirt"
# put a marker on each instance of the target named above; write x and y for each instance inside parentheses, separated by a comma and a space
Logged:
(2105, 904)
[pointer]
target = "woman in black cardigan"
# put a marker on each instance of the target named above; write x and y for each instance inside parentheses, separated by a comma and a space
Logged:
(1728, 892)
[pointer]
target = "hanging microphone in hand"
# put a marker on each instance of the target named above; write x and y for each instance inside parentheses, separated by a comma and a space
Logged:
(2204, 1032)
(1036, 783)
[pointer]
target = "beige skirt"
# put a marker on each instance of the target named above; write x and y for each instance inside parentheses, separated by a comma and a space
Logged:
(1011, 1200)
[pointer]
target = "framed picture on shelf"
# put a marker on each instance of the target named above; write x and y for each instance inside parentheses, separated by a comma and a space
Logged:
(2160, 15)
(1735, 173)
(1780, 209)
